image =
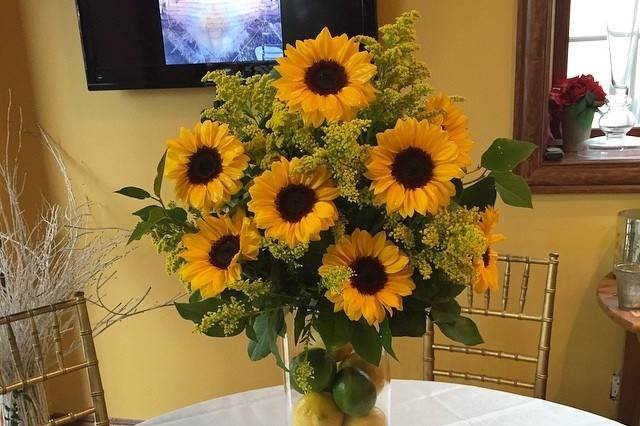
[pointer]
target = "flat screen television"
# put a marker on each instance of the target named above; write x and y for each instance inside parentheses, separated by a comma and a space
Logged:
(144, 44)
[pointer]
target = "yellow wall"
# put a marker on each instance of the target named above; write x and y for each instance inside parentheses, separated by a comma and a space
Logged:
(153, 363)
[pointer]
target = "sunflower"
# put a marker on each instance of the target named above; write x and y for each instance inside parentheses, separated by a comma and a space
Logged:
(325, 78)
(486, 267)
(213, 254)
(293, 207)
(381, 276)
(450, 117)
(206, 165)
(411, 168)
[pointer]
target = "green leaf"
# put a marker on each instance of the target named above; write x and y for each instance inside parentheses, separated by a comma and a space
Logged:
(481, 194)
(134, 192)
(505, 154)
(386, 337)
(178, 214)
(144, 227)
(335, 328)
(411, 321)
(366, 342)
(145, 212)
(445, 312)
(513, 189)
(267, 327)
(463, 330)
(157, 182)
(195, 296)
(299, 322)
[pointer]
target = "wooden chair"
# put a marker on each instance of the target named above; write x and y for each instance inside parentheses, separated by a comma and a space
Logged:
(539, 384)
(59, 313)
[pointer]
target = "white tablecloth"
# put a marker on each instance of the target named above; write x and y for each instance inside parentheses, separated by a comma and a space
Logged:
(415, 403)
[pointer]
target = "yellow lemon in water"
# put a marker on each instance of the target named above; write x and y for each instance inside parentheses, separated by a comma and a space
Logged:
(375, 418)
(317, 409)
(376, 374)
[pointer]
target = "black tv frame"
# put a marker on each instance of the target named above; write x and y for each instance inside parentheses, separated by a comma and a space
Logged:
(184, 76)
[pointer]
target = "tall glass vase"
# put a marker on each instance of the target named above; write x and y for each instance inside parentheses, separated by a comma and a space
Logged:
(623, 24)
(340, 389)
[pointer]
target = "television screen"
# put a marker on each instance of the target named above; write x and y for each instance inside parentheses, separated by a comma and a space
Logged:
(132, 44)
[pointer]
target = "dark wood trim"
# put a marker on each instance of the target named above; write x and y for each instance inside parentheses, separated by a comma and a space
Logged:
(534, 73)
(561, 40)
(629, 403)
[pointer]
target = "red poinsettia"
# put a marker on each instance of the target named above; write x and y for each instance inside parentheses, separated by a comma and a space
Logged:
(570, 91)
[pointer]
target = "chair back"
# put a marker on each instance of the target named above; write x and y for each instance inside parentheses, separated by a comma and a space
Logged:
(539, 383)
(77, 307)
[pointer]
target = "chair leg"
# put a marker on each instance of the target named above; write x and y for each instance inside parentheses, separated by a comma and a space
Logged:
(428, 361)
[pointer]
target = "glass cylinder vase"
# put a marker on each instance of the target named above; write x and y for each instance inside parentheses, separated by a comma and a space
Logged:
(334, 386)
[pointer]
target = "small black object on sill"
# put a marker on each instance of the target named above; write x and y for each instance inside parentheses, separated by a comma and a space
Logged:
(553, 153)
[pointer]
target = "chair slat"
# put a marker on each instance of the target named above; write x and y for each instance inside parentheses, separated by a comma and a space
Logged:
(525, 286)
(506, 283)
(487, 300)
(482, 378)
(57, 341)
(486, 352)
(35, 341)
(15, 352)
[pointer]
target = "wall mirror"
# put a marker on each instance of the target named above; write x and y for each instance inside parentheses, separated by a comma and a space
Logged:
(579, 152)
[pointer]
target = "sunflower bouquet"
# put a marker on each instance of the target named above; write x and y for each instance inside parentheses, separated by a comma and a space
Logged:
(336, 189)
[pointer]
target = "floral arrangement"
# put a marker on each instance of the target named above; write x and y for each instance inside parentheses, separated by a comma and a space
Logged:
(581, 96)
(337, 189)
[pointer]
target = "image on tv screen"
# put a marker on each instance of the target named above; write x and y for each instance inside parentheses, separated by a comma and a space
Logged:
(220, 31)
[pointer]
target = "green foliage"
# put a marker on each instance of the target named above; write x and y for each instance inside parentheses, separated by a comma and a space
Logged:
(462, 330)
(334, 328)
(266, 328)
(513, 189)
(481, 194)
(584, 110)
(367, 342)
(505, 154)
(223, 316)
(134, 192)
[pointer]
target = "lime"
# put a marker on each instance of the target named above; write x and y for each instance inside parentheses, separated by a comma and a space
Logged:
(375, 418)
(324, 369)
(354, 392)
(340, 353)
(317, 409)
(376, 374)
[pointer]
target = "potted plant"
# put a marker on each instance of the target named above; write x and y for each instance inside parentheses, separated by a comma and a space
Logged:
(576, 100)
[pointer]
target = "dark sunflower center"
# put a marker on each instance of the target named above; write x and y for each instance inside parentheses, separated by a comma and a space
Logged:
(204, 165)
(223, 250)
(412, 167)
(369, 275)
(486, 258)
(295, 201)
(326, 77)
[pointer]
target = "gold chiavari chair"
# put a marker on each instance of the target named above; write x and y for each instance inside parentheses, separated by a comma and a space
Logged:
(78, 307)
(539, 384)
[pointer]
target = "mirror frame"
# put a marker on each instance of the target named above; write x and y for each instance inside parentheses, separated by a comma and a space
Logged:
(538, 23)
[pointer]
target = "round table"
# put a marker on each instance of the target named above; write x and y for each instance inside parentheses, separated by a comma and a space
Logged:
(414, 403)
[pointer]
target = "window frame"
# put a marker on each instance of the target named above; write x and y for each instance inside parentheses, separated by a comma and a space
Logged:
(541, 57)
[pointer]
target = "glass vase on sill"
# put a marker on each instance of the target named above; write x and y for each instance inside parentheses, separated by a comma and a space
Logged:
(340, 388)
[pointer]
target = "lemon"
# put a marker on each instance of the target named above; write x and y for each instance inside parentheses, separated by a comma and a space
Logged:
(324, 369)
(317, 409)
(353, 392)
(375, 418)
(340, 353)
(376, 374)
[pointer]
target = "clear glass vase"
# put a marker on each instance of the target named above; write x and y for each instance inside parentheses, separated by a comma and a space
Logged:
(342, 390)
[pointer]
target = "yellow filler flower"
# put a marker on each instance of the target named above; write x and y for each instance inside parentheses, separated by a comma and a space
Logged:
(486, 267)
(453, 121)
(381, 276)
(213, 254)
(206, 165)
(325, 78)
(293, 207)
(411, 168)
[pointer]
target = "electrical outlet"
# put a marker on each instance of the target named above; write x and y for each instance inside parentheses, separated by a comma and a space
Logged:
(614, 392)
